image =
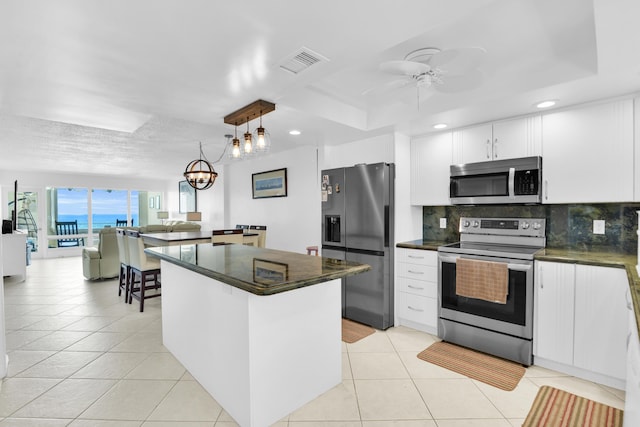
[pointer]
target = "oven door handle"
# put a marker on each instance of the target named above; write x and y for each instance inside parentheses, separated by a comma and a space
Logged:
(514, 267)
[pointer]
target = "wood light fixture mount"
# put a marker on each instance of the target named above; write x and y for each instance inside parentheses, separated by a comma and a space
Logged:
(249, 112)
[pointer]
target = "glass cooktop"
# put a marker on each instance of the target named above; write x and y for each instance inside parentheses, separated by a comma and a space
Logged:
(490, 249)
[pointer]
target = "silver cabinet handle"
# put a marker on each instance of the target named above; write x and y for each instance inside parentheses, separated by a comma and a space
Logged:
(414, 309)
(415, 257)
(495, 148)
(488, 146)
(546, 189)
(415, 272)
(415, 287)
(540, 276)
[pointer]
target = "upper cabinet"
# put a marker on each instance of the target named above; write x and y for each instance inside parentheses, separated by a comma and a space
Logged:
(588, 154)
(430, 160)
(500, 140)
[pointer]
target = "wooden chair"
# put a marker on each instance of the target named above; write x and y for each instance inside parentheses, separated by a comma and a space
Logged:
(145, 271)
(262, 234)
(231, 235)
(121, 222)
(66, 228)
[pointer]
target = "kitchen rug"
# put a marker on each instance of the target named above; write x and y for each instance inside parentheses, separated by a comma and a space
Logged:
(353, 331)
(491, 370)
(553, 407)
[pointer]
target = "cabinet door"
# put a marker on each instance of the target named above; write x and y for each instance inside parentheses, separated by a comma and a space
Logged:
(430, 161)
(554, 310)
(517, 138)
(473, 144)
(632, 397)
(588, 154)
(600, 338)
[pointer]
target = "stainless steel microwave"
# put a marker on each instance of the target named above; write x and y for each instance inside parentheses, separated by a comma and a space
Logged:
(497, 182)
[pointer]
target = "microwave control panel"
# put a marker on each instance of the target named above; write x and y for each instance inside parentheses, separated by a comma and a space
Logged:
(526, 182)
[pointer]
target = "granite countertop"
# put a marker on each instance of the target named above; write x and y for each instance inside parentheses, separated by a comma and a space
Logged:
(257, 270)
(572, 256)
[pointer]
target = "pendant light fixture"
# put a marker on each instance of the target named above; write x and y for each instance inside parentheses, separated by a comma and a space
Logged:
(263, 139)
(200, 173)
(235, 153)
(248, 146)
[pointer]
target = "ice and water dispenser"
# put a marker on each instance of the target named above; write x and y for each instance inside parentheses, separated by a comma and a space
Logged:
(332, 228)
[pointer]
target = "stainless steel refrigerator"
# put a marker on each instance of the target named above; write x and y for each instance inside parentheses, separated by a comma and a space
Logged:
(357, 225)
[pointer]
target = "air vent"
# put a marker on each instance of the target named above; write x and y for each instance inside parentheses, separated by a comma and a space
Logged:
(301, 60)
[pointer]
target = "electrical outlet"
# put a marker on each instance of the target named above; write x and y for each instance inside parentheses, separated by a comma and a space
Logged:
(443, 222)
(598, 226)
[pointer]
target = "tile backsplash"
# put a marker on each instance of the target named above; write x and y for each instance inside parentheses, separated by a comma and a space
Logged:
(568, 226)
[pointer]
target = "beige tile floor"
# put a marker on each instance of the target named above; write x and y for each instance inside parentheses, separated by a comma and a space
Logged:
(79, 356)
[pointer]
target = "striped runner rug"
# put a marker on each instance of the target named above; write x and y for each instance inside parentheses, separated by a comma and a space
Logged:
(553, 407)
(354, 331)
(491, 370)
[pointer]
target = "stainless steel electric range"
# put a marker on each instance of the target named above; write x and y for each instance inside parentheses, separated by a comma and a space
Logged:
(504, 329)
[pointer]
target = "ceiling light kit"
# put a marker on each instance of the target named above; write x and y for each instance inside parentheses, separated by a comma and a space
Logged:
(440, 126)
(199, 173)
(546, 104)
(262, 138)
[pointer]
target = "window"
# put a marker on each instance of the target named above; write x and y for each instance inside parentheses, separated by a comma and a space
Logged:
(67, 205)
(108, 207)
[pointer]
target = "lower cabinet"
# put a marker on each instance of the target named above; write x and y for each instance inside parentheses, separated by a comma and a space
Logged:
(580, 321)
(417, 289)
(632, 397)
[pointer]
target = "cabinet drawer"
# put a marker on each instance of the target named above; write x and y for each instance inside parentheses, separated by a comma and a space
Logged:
(418, 256)
(418, 309)
(418, 272)
(418, 287)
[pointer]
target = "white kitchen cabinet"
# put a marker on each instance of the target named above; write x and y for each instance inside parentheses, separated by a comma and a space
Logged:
(588, 154)
(499, 140)
(554, 311)
(580, 324)
(14, 255)
(600, 337)
(417, 289)
(632, 397)
(431, 157)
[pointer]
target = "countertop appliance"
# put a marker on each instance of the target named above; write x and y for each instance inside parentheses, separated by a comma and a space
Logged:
(504, 328)
(497, 182)
(357, 225)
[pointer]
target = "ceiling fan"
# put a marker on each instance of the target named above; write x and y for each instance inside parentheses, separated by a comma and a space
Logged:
(448, 71)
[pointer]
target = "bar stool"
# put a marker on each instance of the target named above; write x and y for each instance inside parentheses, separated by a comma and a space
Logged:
(125, 268)
(312, 249)
(146, 268)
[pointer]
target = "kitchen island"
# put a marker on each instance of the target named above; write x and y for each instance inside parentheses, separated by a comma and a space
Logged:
(259, 329)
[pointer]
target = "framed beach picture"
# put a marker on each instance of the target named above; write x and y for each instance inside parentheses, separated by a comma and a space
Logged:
(269, 184)
(187, 195)
(269, 272)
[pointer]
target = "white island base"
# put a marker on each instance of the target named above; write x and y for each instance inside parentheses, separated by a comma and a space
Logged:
(260, 357)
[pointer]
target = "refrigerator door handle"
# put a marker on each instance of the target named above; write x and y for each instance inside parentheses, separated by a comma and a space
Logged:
(386, 226)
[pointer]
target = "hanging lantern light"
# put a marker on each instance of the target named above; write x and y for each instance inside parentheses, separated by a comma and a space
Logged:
(263, 139)
(236, 152)
(200, 173)
(248, 145)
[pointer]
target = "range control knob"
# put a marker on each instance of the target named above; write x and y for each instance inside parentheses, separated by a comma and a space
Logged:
(525, 225)
(476, 224)
(465, 224)
(536, 226)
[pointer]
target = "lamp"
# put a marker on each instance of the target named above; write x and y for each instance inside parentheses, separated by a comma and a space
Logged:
(162, 215)
(194, 216)
(248, 146)
(200, 173)
(263, 139)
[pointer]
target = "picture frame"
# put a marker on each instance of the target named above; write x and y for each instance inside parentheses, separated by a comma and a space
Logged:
(269, 272)
(187, 197)
(271, 183)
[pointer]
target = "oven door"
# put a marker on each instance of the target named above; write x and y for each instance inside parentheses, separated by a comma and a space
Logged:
(513, 318)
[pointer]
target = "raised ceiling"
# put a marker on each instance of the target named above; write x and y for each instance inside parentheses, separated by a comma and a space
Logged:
(131, 87)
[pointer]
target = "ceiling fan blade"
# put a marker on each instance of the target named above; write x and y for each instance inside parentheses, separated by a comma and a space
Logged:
(406, 68)
(458, 61)
(468, 81)
(388, 86)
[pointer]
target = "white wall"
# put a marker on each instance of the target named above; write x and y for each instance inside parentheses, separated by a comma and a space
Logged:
(293, 222)
(372, 150)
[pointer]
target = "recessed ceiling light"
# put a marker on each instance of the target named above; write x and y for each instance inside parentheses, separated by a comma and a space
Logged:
(440, 126)
(546, 104)
(294, 132)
